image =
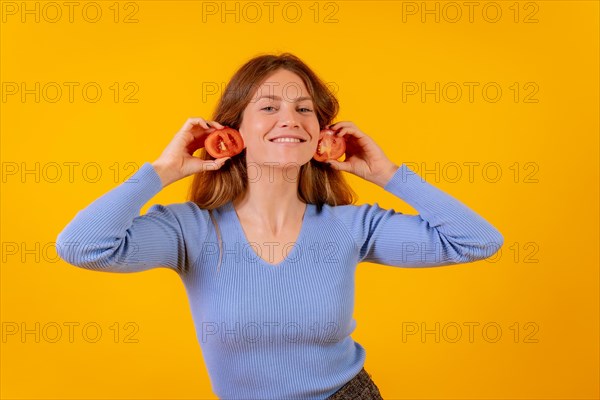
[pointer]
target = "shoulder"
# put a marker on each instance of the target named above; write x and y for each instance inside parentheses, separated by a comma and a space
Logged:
(351, 214)
(357, 220)
(179, 209)
(187, 215)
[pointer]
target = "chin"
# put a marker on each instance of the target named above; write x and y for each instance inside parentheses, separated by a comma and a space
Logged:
(281, 160)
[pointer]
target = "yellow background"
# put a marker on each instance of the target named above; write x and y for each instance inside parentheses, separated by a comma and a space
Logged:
(368, 53)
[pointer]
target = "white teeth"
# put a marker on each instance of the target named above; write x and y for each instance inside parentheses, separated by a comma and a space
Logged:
(284, 140)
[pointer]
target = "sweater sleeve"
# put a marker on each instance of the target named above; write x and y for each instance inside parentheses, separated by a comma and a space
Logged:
(110, 235)
(444, 232)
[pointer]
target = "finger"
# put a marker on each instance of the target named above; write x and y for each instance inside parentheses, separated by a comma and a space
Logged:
(199, 136)
(195, 144)
(211, 165)
(219, 162)
(201, 133)
(352, 130)
(338, 131)
(340, 124)
(215, 123)
(342, 132)
(340, 166)
(194, 121)
(335, 125)
(195, 129)
(352, 146)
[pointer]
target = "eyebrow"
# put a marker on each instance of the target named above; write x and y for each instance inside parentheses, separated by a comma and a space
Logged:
(272, 97)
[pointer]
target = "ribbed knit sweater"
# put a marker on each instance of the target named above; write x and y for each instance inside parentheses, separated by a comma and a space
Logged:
(274, 331)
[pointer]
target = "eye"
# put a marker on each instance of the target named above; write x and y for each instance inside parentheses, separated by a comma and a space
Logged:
(267, 107)
(307, 109)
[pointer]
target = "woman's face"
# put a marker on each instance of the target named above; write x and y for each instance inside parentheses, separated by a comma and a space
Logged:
(281, 107)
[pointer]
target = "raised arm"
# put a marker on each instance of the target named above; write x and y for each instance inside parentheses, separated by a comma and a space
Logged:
(110, 235)
(445, 231)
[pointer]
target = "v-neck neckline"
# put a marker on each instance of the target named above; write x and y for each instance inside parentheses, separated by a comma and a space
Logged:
(292, 254)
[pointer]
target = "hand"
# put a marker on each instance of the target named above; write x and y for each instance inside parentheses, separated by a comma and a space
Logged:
(177, 161)
(364, 157)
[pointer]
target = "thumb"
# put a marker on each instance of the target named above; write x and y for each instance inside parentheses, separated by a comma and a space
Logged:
(207, 165)
(220, 161)
(340, 166)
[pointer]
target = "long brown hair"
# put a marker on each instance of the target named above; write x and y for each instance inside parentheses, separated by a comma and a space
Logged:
(318, 183)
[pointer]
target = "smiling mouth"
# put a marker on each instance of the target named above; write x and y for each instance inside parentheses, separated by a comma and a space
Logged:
(287, 140)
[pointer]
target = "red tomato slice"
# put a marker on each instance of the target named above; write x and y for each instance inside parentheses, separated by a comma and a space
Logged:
(226, 142)
(330, 147)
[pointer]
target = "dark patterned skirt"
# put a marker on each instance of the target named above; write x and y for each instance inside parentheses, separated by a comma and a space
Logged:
(361, 387)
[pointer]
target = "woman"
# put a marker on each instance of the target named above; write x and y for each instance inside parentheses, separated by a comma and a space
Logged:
(268, 244)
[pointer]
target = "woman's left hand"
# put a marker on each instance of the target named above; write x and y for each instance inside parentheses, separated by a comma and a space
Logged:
(364, 157)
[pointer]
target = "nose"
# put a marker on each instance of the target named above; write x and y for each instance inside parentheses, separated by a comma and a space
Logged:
(289, 124)
(288, 119)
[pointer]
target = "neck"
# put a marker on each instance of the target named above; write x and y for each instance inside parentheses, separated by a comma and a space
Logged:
(271, 201)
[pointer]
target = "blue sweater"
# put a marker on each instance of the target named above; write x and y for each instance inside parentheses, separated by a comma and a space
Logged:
(274, 331)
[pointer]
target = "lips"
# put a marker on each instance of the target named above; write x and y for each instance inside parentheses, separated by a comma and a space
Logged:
(288, 136)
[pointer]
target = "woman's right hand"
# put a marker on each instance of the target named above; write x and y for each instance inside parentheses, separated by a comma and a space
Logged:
(177, 160)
